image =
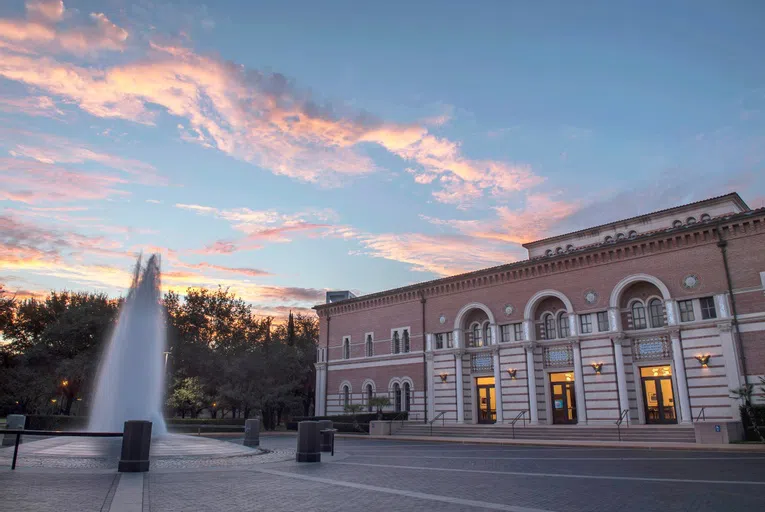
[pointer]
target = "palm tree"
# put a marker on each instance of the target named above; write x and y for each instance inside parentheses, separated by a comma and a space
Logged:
(379, 402)
(744, 393)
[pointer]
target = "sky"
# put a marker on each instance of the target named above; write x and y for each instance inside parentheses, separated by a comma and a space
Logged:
(284, 148)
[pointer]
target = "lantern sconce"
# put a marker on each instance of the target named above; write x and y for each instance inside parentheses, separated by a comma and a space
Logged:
(444, 376)
(703, 359)
(511, 372)
(598, 367)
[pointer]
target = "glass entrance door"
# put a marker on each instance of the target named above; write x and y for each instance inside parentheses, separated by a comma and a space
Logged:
(563, 398)
(487, 409)
(658, 396)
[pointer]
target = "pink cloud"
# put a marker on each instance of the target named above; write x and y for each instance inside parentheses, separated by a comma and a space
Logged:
(42, 106)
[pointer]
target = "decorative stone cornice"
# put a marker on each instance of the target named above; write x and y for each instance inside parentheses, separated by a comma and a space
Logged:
(528, 345)
(459, 353)
(574, 341)
(725, 326)
(674, 331)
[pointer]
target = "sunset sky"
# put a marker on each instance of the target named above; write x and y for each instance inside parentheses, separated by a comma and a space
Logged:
(283, 148)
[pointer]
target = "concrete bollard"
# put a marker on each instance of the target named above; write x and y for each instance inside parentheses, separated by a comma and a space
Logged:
(252, 433)
(308, 442)
(136, 444)
(326, 443)
(14, 422)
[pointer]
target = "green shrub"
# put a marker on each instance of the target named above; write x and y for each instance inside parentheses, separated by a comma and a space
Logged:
(759, 414)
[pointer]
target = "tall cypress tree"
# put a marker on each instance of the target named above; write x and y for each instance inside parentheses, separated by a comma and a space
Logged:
(291, 330)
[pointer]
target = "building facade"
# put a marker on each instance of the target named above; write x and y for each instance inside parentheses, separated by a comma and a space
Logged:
(654, 319)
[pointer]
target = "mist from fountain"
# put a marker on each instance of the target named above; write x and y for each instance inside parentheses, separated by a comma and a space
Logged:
(130, 382)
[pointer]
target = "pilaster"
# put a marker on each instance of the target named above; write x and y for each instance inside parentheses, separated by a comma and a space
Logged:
(531, 383)
(681, 378)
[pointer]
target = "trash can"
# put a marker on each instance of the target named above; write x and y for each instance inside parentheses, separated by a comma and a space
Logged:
(252, 433)
(308, 442)
(324, 443)
(13, 422)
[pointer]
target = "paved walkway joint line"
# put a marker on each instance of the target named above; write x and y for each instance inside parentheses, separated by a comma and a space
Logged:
(129, 495)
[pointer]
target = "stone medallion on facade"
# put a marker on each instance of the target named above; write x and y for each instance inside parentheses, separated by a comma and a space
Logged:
(590, 297)
(442, 319)
(509, 309)
(691, 281)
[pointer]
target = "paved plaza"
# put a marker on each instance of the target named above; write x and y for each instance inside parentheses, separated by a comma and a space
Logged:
(369, 475)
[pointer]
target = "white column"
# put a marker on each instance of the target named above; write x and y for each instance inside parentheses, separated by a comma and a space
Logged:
(681, 380)
(494, 334)
(672, 314)
(573, 324)
(457, 338)
(429, 385)
(621, 376)
(428, 342)
(528, 330)
(321, 371)
(732, 365)
(581, 407)
(460, 386)
(497, 385)
(531, 383)
(721, 303)
(614, 319)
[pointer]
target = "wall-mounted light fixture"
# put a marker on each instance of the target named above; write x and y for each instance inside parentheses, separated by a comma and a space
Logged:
(703, 359)
(444, 376)
(511, 372)
(598, 367)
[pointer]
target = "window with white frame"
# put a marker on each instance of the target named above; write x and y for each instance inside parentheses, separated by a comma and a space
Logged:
(346, 347)
(346, 396)
(656, 311)
(504, 333)
(397, 397)
(603, 325)
(638, 315)
(405, 339)
(487, 334)
(439, 341)
(475, 336)
(370, 393)
(563, 326)
(585, 324)
(549, 327)
(407, 397)
(396, 343)
(686, 310)
(708, 310)
(450, 339)
(370, 345)
(518, 332)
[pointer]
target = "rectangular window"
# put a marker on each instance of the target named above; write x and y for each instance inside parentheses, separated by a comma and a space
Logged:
(518, 332)
(505, 335)
(686, 310)
(439, 341)
(708, 308)
(603, 321)
(585, 322)
(450, 340)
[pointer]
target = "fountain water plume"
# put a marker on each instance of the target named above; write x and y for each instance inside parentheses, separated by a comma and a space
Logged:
(131, 380)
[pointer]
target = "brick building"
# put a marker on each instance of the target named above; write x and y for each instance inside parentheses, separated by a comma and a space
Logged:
(636, 315)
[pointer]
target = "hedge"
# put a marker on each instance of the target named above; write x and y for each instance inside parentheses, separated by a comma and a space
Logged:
(759, 414)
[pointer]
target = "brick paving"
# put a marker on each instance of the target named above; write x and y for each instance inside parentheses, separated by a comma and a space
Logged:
(373, 475)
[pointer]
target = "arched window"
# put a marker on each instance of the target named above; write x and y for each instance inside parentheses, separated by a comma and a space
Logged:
(476, 335)
(656, 310)
(632, 234)
(620, 236)
(370, 346)
(563, 327)
(559, 250)
(406, 340)
(487, 334)
(691, 220)
(549, 324)
(638, 315)
(346, 348)
(569, 247)
(369, 397)
(549, 252)
(407, 397)
(396, 343)
(608, 239)
(346, 396)
(705, 217)
(677, 224)
(397, 397)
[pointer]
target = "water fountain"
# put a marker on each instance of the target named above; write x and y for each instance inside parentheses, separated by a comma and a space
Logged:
(130, 383)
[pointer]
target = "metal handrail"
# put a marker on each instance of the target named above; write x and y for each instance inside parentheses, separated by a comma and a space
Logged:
(518, 416)
(51, 433)
(401, 416)
(443, 420)
(623, 416)
(701, 414)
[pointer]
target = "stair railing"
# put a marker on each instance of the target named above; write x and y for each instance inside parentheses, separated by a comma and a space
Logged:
(623, 416)
(520, 415)
(443, 419)
(701, 414)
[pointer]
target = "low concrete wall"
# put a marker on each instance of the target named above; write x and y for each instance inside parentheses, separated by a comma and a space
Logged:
(718, 432)
(380, 428)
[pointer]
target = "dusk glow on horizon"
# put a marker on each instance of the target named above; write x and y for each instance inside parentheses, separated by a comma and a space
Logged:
(283, 149)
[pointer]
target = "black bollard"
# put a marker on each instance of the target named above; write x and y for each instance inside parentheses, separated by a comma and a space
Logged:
(308, 442)
(252, 433)
(326, 441)
(136, 443)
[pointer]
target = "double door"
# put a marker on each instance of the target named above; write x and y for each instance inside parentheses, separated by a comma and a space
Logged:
(487, 407)
(658, 396)
(563, 398)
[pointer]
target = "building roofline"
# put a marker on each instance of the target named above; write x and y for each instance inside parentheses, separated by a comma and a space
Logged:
(418, 287)
(732, 195)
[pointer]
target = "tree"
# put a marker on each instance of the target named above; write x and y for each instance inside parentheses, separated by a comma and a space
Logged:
(187, 395)
(379, 402)
(744, 393)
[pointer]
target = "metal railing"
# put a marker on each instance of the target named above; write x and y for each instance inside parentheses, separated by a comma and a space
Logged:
(520, 415)
(443, 420)
(701, 414)
(623, 416)
(50, 433)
